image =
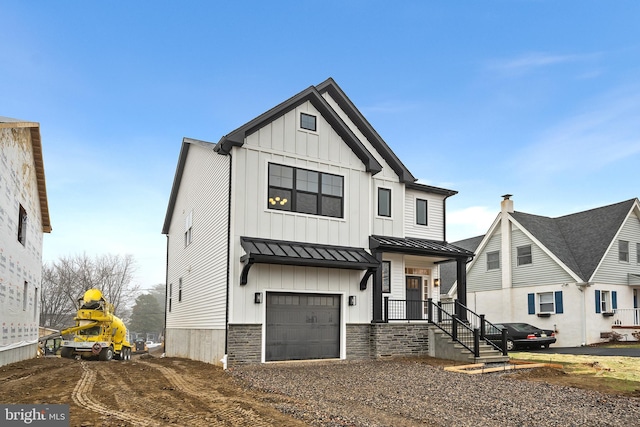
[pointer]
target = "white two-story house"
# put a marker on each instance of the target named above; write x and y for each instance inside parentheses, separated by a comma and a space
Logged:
(24, 217)
(284, 237)
(577, 274)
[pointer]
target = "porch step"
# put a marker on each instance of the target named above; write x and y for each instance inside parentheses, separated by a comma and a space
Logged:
(488, 354)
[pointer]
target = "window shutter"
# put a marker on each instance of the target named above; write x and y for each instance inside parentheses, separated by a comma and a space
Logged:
(597, 301)
(614, 300)
(559, 308)
(532, 303)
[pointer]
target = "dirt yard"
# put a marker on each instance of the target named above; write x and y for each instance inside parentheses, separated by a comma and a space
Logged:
(149, 390)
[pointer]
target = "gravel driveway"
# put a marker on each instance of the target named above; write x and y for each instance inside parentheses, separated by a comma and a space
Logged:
(408, 392)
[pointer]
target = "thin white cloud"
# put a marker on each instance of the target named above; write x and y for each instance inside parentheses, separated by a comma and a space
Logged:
(533, 60)
(604, 133)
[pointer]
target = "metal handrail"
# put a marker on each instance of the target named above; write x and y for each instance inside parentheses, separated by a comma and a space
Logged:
(485, 327)
(457, 321)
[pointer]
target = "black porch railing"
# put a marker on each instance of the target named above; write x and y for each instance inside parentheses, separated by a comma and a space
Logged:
(459, 322)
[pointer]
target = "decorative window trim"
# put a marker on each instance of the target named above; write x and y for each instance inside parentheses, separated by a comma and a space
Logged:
(378, 211)
(386, 276)
(534, 302)
(305, 117)
(524, 259)
(493, 264)
(426, 212)
(326, 183)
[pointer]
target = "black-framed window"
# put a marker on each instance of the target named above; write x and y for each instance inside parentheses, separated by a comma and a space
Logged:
(305, 191)
(386, 276)
(384, 202)
(22, 225)
(493, 260)
(308, 122)
(524, 255)
(623, 250)
(421, 212)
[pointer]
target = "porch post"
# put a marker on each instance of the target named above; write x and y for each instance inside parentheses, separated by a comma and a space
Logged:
(377, 290)
(461, 274)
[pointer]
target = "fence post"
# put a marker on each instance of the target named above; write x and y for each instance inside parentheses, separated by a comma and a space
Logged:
(476, 342)
(430, 310)
(483, 330)
(504, 342)
(386, 310)
(439, 312)
(454, 327)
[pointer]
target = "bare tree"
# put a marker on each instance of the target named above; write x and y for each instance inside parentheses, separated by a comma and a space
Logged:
(66, 280)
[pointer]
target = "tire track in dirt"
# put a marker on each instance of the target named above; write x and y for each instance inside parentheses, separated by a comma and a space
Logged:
(82, 397)
(230, 410)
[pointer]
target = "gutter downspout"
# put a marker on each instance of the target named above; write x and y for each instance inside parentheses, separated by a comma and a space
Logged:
(226, 315)
(166, 297)
(583, 308)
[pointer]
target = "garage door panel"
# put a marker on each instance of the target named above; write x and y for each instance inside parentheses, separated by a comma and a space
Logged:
(302, 326)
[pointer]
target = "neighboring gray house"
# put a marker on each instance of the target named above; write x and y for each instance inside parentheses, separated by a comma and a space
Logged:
(578, 274)
(24, 217)
(284, 236)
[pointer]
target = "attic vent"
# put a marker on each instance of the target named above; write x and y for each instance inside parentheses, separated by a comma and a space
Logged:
(308, 122)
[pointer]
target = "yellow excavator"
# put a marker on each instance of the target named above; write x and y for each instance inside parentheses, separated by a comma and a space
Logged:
(98, 333)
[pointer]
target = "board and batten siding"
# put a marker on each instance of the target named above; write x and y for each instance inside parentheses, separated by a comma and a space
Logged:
(434, 230)
(542, 271)
(611, 269)
(202, 265)
(478, 277)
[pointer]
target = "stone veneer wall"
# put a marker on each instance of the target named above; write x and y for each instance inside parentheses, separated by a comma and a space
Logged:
(358, 341)
(244, 344)
(399, 339)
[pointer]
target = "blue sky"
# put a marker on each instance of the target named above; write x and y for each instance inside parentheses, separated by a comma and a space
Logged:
(539, 99)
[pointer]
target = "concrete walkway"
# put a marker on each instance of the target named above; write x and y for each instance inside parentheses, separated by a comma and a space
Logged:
(591, 351)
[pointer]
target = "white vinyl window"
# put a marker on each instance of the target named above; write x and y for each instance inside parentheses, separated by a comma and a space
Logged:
(623, 251)
(524, 255)
(493, 260)
(546, 302)
(188, 229)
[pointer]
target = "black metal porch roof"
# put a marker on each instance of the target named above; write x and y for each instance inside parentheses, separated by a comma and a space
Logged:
(305, 254)
(415, 246)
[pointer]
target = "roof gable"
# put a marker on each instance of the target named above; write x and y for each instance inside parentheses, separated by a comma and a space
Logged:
(236, 138)
(579, 240)
(36, 143)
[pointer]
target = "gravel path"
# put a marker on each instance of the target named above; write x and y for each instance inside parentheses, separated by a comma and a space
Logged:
(399, 393)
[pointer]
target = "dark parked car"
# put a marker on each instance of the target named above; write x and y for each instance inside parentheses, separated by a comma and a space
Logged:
(524, 335)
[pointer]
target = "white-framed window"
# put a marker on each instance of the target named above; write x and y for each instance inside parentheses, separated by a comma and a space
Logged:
(524, 255)
(421, 212)
(493, 260)
(188, 229)
(308, 122)
(638, 253)
(546, 303)
(170, 297)
(384, 202)
(623, 251)
(180, 289)
(606, 301)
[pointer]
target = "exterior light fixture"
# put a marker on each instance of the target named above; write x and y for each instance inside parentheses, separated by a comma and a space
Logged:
(257, 298)
(436, 282)
(352, 300)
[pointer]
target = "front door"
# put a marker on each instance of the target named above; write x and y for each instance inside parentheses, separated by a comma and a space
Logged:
(414, 297)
